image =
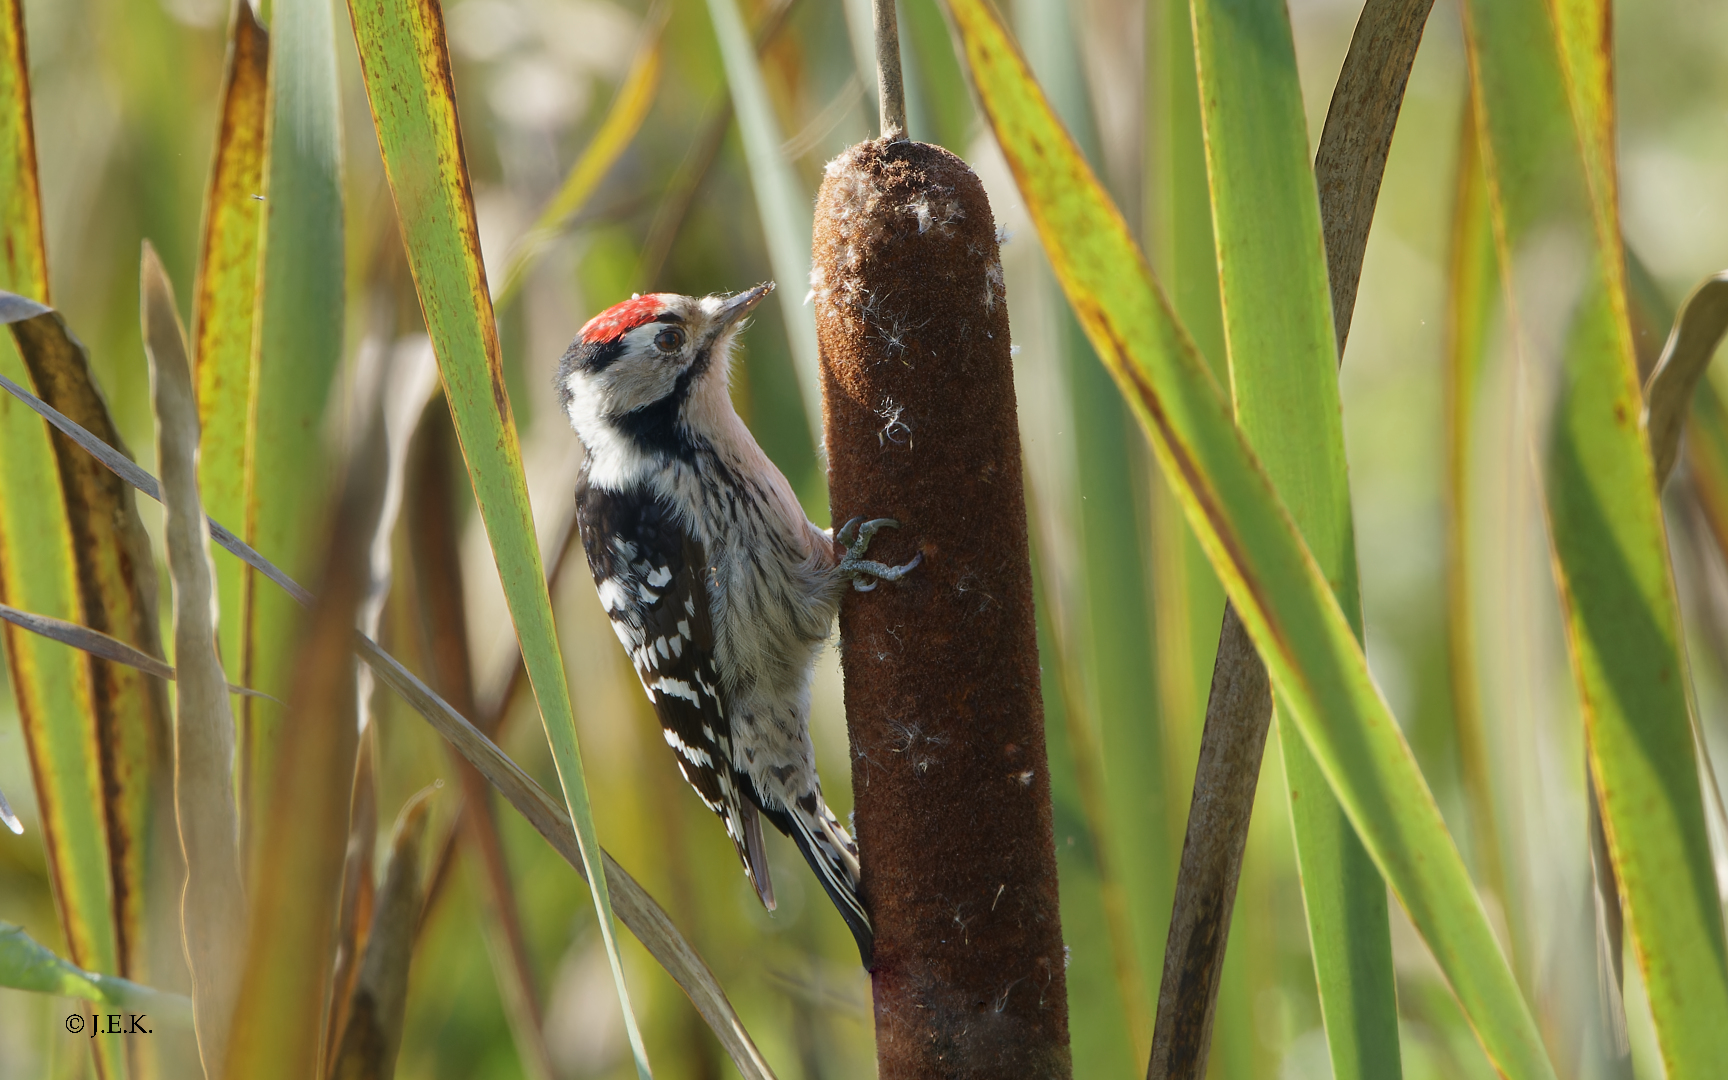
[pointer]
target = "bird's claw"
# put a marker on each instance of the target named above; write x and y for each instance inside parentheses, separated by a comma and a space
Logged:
(848, 533)
(866, 574)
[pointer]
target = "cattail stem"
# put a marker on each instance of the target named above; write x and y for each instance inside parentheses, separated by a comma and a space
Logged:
(949, 771)
(891, 91)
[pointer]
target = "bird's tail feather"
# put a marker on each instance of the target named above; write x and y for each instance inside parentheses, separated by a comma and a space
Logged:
(834, 857)
(755, 855)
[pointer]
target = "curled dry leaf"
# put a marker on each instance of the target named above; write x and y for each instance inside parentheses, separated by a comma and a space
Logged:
(213, 907)
(1698, 330)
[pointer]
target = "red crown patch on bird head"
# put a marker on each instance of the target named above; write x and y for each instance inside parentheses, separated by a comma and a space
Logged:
(612, 323)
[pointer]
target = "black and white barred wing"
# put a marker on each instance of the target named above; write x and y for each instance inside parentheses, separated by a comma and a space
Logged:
(652, 578)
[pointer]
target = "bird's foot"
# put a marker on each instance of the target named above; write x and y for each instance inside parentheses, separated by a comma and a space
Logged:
(864, 573)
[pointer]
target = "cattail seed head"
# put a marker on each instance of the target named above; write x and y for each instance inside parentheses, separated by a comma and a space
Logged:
(950, 775)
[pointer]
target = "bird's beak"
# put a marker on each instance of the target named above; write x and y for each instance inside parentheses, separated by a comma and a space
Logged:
(735, 307)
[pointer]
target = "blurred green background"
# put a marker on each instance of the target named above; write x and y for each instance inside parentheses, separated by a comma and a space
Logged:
(125, 97)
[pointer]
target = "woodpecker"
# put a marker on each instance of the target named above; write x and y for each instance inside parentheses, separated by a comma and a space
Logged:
(720, 589)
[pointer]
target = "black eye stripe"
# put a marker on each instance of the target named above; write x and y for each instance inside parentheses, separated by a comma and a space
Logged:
(597, 358)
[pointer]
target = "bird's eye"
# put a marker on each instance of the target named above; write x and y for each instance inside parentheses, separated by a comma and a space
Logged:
(670, 339)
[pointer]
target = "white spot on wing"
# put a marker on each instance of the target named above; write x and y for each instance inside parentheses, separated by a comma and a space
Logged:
(612, 595)
(695, 755)
(680, 689)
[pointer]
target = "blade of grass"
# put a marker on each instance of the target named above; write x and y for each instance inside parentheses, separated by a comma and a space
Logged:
(782, 203)
(91, 641)
(1347, 170)
(1544, 104)
(359, 890)
(298, 342)
(629, 108)
(408, 82)
(1094, 917)
(1707, 431)
(1690, 333)
(53, 687)
(1283, 354)
(1474, 284)
(392, 386)
(15, 309)
(27, 965)
(1187, 595)
(97, 643)
(636, 908)
(1360, 121)
(1091, 1035)
(435, 558)
(213, 907)
(1110, 697)
(390, 389)
(116, 573)
(1238, 715)
(224, 299)
(24, 257)
(497, 674)
(1284, 599)
(294, 895)
(373, 1034)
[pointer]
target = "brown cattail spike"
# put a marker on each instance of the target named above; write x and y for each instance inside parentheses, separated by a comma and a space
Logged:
(942, 693)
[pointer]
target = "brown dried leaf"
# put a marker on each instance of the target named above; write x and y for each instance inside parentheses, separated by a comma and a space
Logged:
(213, 909)
(373, 1031)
